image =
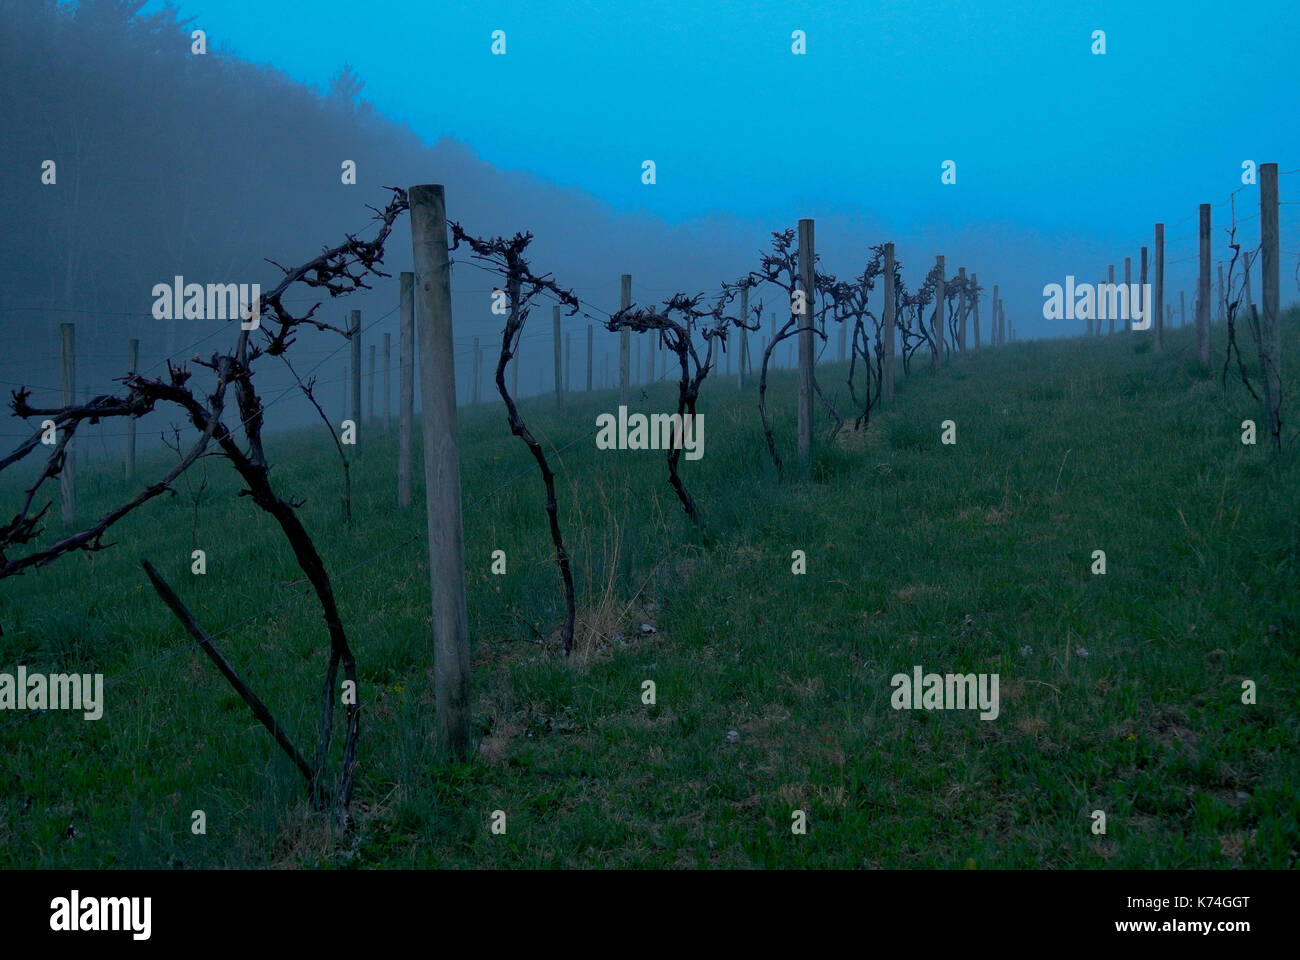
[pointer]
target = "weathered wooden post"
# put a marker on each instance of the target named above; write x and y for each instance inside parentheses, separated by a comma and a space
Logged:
(555, 340)
(806, 268)
(1158, 290)
(442, 470)
(1270, 352)
(624, 344)
(405, 384)
(887, 388)
(68, 474)
(355, 334)
(132, 364)
(589, 358)
(1203, 289)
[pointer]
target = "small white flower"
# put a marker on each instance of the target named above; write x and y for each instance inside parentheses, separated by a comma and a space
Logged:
(1027, 650)
(1082, 651)
(733, 736)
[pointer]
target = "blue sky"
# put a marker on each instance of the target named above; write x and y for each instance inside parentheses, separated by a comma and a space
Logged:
(1038, 125)
(1054, 146)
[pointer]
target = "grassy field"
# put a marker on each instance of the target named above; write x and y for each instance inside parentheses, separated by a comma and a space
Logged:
(1119, 693)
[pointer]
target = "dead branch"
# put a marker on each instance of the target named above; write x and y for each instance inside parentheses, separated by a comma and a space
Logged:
(506, 257)
(307, 389)
(339, 270)
(678, 336)
(259, 709)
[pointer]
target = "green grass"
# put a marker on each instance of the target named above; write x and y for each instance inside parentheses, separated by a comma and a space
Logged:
(973, 557)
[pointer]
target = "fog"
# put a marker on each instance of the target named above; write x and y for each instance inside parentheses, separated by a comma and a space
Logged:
(167, 163)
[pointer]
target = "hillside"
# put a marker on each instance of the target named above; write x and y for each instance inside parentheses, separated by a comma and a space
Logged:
(1119, 692)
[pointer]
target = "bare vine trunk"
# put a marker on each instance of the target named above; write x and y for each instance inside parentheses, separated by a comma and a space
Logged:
(520, 429)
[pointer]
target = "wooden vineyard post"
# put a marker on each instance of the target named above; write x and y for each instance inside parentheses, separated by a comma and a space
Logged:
(442, 470)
